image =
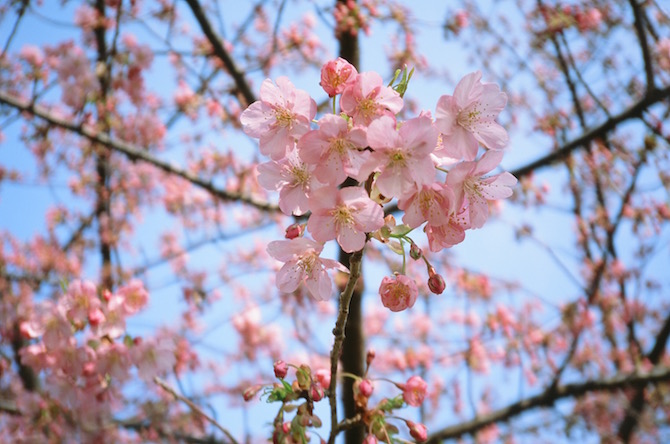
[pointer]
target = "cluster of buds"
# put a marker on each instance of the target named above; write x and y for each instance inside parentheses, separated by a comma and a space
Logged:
(376, 418)
(296, 396)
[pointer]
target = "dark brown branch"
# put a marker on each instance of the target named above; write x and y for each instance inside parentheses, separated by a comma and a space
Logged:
(629, 423)
(549, 397)
(644, 44)
(339, 334)
(651, 98)
(133, 152)
(221, 53)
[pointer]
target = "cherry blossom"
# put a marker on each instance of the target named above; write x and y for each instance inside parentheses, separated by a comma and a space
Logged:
(414, 391)
(336, 75)
(336, 150)
(402, 156)
(398, 293)
(294, 179)
(468, 117)
(431, 202)
(302, 264)
(473, 191)
(449, 234)
(346, 215)
(282, 115)
(367, 99)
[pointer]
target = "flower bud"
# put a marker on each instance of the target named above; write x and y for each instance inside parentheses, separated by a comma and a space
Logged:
(250, 392)
(417, 431)
(294, 230)
(366, 388)
(317, 393)
(436, 283)
(370, 357)
(281, 369)
(415, 252)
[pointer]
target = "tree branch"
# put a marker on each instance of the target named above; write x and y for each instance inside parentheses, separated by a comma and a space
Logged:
(549, 398)
(338, 333)
(652, 97)
(637, 403)
(133, 152)
(221, 52)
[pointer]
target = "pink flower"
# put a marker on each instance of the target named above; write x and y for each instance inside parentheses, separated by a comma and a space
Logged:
(449, 234)
(293, 179)
(135, 297)
(414, 391)
(469, 116)
(398, 292)
(432, 203)
(336, 75)
(473, 191)
(302, 264)
(336, 150)
(367, 99)
(153, 357)
(80, 301)
(346, 215)
(402, 156)
(281, 116)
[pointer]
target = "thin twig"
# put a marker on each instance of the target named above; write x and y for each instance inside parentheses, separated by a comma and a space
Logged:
(194, 407)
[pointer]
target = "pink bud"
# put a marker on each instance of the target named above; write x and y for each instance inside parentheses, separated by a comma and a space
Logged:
(317, 392)
(281, 368)
(370, 440)
(95, 317)
(418, 431)
(436, 282)
(250, 392)
(366, 388)
(294, 230)
(370, 357)
(415, 252)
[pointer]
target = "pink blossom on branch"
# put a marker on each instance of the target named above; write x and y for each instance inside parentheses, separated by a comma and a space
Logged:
(468, 118)
(346, 215)
(302, 264)
(368, 98)
(335, 150)
(293, 179)
(336, 75)
(282, 115)
(473, 191)
(402, 156)
(414, 391)
(398, 293)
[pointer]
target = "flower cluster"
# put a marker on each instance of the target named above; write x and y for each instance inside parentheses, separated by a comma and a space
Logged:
(430, 166)
(79, 344)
